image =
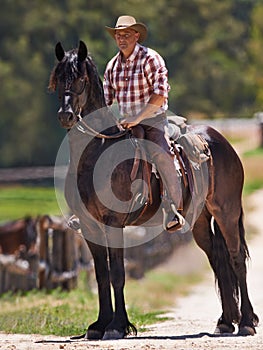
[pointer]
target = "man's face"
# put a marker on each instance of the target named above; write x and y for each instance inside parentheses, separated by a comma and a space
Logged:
(126, 40)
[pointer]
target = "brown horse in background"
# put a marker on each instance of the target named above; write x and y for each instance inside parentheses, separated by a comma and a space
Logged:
(218, 231)
(17, 235)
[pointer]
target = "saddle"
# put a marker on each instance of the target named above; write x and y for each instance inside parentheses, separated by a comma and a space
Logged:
(190, 150)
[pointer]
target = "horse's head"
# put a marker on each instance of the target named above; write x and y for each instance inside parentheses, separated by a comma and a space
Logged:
(75, 77)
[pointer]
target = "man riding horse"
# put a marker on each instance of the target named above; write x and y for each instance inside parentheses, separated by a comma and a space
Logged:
(218, 228)
(137, 78)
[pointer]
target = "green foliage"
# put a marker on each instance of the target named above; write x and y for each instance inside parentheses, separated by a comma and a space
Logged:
(255, 48)
(214, 61)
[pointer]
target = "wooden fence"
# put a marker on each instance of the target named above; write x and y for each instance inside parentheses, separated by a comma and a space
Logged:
(51, 257)
(44, 253)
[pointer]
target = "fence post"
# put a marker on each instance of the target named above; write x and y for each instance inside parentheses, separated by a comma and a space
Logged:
(2, 278)
(57, 257)
(71, 258)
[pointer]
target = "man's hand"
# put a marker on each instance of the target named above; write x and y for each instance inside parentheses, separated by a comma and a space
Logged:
(155, 102)
(129, 122)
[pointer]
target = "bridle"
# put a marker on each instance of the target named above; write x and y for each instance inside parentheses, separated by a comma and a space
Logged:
(82, 126)
(78, 94)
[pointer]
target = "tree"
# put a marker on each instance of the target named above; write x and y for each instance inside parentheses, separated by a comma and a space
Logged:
(205, 44)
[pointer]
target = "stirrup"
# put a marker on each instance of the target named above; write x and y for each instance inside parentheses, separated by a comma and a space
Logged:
(172, 221)
(73, 223)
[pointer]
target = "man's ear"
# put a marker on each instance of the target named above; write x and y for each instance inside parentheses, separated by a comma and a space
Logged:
(137, 36)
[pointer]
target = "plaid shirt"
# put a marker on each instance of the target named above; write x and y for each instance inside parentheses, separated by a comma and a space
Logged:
(132, 82)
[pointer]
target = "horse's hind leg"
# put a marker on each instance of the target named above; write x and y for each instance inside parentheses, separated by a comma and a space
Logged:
(205, 239)
(229, 237)
(249, 320)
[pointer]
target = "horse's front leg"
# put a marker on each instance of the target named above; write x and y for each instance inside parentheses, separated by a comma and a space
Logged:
(100, 257)
(120, 325)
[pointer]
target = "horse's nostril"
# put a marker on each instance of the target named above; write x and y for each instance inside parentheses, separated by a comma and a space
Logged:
(66, 118)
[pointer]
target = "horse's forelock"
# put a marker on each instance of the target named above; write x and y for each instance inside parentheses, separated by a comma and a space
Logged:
(69, 69)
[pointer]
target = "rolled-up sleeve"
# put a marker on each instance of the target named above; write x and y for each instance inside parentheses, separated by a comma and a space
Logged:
(157, 74)
(109, 92)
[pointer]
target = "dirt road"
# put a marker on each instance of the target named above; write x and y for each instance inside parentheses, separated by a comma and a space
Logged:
(192, 320)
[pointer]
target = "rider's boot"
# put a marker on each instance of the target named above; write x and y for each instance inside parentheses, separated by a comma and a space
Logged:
(173, 220)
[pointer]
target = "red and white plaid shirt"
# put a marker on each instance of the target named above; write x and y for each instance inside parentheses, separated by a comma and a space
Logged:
(131, 82)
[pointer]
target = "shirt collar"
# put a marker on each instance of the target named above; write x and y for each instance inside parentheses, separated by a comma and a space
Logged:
(133, 55)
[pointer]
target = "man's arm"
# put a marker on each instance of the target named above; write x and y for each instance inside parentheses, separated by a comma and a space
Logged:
(155, 102)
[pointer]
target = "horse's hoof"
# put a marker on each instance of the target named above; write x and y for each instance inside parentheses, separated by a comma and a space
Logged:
(93, 334)
(113, 335)
(78, 337)
(246, 330)
(224, 329)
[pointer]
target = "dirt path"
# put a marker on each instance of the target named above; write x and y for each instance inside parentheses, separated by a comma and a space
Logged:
(192, 320)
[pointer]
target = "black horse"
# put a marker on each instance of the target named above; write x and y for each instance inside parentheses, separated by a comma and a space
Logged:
(91, 186)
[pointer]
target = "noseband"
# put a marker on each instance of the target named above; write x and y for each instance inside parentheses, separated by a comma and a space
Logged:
(82, 125)
(69, 92)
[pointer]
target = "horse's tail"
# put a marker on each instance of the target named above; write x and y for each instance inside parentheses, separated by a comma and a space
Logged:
(225, 276)
(244, 247)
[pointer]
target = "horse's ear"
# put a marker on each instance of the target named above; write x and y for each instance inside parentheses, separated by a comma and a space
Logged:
(60, 53)
(83, 51)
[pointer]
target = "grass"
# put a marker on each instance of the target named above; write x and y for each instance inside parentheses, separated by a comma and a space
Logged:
(253, 166)
(40, 312)
(21, 201)
(67, 313)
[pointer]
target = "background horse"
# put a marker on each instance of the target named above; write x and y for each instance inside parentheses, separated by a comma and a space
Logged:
(18, 235)
(218, 231)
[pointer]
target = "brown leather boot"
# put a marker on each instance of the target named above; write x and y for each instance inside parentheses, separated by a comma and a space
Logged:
(173, 220)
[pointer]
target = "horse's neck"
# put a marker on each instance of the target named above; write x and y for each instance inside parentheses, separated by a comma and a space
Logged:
(100, 120)
(77, 144)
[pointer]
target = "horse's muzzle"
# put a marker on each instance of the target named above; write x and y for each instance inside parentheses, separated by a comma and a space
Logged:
(67, 119)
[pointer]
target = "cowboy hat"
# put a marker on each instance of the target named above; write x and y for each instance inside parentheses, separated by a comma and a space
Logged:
(125, 22)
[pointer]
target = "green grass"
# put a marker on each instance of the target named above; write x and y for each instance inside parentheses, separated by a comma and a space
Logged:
(253, 165)
(68, 313)
(20, 201)
(256, 152)
(252, 186)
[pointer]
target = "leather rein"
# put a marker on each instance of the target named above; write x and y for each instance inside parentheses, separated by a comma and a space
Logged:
(86, 129)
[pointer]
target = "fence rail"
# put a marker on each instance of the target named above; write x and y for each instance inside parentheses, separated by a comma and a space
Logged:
(44, 253)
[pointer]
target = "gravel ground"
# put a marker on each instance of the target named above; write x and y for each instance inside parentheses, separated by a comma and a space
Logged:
(193, 319)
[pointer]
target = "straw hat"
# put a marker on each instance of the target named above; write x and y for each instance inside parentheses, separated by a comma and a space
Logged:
(125, 22)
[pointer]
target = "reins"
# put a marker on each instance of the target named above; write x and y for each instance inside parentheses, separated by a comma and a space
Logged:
(82, 125)
(90, 131)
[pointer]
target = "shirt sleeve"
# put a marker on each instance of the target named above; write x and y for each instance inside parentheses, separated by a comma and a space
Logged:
(157, 74)
(109, 92)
